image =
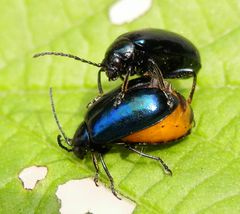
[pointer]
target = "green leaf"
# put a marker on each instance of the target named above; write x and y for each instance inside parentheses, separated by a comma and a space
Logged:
(205, 165)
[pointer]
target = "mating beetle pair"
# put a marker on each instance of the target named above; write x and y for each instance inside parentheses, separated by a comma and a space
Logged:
(142, 111)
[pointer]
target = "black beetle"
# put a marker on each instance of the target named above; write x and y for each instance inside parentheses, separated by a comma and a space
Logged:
(142, 118)
(156, 52)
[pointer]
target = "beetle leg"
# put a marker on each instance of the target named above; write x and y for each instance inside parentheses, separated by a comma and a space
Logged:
(164, 165)
(189, 100)
(124, 87)
(100, 90)
(94, 100)
(158, 73)
(185, 73)
(95, 163)
(109, 176)
(99, 82)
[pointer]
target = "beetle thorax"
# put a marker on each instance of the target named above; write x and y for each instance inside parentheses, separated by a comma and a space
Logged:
(139, 63)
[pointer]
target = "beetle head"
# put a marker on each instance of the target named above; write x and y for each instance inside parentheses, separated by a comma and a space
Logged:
(81, 141)
(115, 67)
(118, 58)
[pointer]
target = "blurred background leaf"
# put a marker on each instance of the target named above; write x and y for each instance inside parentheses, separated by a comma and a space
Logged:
(205, 164)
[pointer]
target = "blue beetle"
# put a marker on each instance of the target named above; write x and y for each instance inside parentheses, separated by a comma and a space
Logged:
(144, 117)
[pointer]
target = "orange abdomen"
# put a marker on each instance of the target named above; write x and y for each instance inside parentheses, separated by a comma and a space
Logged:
(174, 126)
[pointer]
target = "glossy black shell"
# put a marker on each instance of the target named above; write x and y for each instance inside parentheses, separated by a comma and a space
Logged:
(175, 55)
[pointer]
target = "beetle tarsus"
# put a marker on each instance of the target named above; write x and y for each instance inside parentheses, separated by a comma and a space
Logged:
(96, 179)
(94, 100)
(170, 100)
(163, 164)
(118, 99)
(182, 102)
(165, 167)
(114, 192)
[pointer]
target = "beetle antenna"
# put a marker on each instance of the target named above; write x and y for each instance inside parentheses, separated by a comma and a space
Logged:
(67, 140)
(68, 55)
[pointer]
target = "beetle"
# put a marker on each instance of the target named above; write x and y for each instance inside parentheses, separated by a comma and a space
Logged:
(143, 118)
(159, 53)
